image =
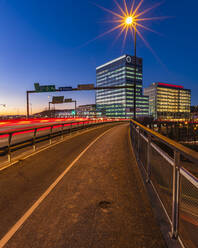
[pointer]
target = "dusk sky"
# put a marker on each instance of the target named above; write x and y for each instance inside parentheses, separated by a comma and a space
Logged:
(46, 41)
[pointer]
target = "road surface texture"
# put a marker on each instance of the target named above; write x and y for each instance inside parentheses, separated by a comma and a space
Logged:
(100, 201)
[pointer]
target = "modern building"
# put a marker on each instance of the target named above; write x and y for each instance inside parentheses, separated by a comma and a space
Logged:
(88, 110)
(119, 103)
(168, 101)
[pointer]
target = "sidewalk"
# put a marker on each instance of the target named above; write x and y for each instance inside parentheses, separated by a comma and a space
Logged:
(100, 203)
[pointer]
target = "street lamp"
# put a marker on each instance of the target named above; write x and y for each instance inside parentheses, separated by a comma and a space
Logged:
(130, 21)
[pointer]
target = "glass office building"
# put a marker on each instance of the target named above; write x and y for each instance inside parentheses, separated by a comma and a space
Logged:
(120, 102)
(168, 101)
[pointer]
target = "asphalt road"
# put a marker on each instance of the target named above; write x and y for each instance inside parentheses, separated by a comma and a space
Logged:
(100, 201)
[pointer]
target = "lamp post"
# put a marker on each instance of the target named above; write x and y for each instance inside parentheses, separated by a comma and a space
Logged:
(135, 67)
(130, 21)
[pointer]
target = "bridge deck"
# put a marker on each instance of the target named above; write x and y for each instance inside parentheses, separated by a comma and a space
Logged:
(99, 202)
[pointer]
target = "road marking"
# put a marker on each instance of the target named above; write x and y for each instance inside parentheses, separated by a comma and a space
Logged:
(28, 213)
(67, 137)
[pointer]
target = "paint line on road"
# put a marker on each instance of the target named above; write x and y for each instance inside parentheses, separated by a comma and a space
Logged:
(29, 212)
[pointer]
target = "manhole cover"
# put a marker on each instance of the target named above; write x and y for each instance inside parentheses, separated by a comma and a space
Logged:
(105, 205)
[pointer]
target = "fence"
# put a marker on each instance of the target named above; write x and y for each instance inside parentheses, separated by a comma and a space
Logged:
(172, 169)
(17, 139)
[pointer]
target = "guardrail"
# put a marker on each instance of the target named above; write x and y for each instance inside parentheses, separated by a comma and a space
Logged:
(40, 133)
(172, 169)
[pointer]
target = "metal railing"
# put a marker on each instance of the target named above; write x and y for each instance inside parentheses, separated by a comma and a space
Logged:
(20, 138)
(172, 169)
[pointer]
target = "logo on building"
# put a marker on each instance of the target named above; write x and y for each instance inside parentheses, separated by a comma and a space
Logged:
(128, 59)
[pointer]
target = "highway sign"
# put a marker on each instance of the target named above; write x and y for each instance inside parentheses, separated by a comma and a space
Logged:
(47, 88)
(37, 86)
(65, 88)
(68, 100)
(44, 88)
(85, 86)
(57, 99)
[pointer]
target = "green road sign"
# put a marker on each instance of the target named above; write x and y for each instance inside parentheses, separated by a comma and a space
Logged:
(44, 88)
(47, 88)
(57, 99)
(37, 86)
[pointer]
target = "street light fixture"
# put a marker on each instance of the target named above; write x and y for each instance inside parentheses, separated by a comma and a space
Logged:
(131, 22)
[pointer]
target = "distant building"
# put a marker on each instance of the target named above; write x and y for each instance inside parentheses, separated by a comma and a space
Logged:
(168, 101)
(88, 110)
(120, 102)
(194, 113)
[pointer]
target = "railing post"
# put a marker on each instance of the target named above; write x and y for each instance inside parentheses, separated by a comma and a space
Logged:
(50, 140)
(176, 195)
(62, 132)
(34, 139)
(9, 149)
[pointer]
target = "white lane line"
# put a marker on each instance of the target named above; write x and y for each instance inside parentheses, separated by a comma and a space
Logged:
(20, 222)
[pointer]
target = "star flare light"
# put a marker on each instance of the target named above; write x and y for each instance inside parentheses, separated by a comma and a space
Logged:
(130, 19)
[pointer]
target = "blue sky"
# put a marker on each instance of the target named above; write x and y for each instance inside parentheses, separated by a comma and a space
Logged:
(43, 41)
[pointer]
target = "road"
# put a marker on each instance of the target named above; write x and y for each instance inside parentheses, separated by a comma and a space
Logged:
(84, 192)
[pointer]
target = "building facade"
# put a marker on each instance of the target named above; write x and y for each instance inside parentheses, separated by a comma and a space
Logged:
(119, 103)
(88, 111)
(168, 101)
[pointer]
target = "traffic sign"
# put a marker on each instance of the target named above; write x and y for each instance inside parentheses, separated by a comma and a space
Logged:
(65, 88)
(68, 100)
(47, 88)
(85, 86)
(44, 88)
(57, 99)
(37, 86)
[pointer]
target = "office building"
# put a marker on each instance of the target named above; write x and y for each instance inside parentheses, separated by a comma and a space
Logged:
(88, 110)
(119, 103)
(168, 101)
